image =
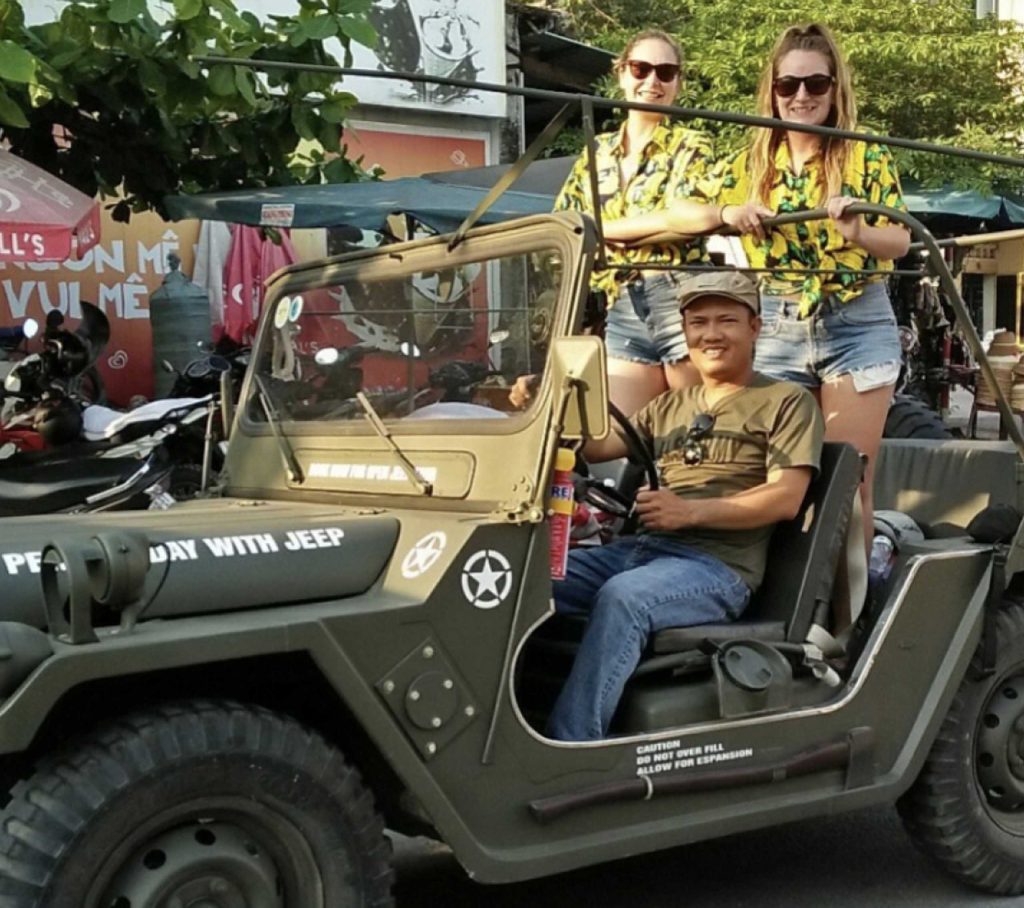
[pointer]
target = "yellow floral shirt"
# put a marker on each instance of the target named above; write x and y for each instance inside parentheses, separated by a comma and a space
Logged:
(870, 175)
(674, 161)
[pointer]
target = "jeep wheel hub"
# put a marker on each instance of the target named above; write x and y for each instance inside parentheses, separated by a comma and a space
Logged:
(1000, 749)
(201, 865)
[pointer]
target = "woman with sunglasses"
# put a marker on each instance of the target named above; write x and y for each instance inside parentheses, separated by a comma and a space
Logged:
(643, 166)
(835, 331)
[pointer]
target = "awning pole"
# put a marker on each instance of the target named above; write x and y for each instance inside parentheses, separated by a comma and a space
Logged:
(976, 239)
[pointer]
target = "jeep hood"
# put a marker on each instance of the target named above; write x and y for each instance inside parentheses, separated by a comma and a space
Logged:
(211, 556)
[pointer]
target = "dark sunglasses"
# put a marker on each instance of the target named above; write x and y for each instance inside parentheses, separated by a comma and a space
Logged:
(787, 86)
(641, 69)
(693, 449)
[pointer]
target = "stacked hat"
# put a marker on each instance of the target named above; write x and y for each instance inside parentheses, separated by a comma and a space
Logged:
(1017, 391)
(1003, 356)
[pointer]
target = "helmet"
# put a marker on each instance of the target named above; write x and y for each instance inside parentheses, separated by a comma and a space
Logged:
(58, 421)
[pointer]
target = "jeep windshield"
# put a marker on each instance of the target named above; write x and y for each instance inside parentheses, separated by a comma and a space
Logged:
(430, 344)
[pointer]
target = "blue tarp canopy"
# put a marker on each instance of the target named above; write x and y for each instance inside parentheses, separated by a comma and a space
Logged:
(443, 199)
(439, 204)
(963, 209)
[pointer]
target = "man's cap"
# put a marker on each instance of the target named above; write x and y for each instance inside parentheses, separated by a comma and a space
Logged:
(733, 285)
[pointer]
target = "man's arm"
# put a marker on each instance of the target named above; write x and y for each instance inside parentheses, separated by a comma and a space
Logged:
(608, 448)
(778, 498)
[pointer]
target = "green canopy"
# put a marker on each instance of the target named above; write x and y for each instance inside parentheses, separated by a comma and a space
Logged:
(434, 202)
(963, 210)
(442, 199)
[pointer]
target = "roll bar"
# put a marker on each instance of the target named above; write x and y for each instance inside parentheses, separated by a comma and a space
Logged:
(924, 241)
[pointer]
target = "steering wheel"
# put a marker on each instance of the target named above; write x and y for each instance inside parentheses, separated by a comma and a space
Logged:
(608, 498)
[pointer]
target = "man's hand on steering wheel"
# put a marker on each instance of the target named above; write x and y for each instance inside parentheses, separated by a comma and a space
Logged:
(610, 499)
(663, 510)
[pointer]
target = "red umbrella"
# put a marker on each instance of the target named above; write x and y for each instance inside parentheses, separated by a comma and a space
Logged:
(42, 218)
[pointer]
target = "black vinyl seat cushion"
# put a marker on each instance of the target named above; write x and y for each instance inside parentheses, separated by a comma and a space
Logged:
(40, 489)
(801, 566)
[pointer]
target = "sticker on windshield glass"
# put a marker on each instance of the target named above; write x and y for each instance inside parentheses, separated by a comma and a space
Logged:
(295, 310)
(486, 579)
(281, 312)
(675, 755)
(422, 556)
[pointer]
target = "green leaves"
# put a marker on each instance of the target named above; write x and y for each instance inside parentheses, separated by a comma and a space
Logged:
(222, 80)
(336, 109)
(122, 11)
(10, 113)
(187, 9)
(16, 63)
(319, 28)
(245, 83)
(147, 119)
(921, 69)
(359, 30)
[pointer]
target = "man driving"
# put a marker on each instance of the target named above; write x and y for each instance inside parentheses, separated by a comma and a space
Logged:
(735, 455)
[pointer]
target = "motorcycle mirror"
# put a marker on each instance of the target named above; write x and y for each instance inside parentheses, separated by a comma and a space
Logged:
(218, 363)
(30, 328)
(326, 356)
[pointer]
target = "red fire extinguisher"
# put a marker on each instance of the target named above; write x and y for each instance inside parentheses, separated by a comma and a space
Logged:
(560, 511)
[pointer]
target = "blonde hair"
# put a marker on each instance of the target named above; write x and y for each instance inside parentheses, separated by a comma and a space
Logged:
(650, 34)
(834, 152)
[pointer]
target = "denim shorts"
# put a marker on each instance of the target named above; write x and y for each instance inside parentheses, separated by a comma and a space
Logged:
(858, 338)
(644, 324)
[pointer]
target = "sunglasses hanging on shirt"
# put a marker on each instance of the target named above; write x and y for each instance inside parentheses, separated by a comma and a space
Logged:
(693, 442)
(641, 69)
(818, 84)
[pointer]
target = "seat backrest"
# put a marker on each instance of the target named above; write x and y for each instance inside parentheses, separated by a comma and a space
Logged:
(947, 482)
(804, 552)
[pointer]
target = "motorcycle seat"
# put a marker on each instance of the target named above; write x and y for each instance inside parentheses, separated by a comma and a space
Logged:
(40, 488)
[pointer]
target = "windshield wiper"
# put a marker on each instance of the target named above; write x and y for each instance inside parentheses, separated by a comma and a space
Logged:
(412, 474)
(291, 462)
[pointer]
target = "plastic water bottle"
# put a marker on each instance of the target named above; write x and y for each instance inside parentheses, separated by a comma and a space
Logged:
(880, 562)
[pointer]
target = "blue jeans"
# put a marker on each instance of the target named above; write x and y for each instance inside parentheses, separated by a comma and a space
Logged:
(630, 589)
(858, 338)
(644, 324)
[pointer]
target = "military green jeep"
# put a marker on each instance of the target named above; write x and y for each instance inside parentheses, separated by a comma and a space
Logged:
(227, 703)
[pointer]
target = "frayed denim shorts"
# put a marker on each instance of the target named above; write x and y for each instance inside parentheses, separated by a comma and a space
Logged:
(858, 338)
(644, 324)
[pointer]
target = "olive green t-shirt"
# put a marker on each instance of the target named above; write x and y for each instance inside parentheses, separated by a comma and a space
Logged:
(766, 426)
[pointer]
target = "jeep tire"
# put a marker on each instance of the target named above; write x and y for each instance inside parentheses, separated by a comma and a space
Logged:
(210, 802)
(966, 808)
(909, 417)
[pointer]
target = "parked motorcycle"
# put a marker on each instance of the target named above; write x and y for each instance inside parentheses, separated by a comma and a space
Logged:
(202, 446)
(146, 457)
(71, 481)
(44, 392)
(13, 343)
(202, 375)
(934, 358)
(188, 435)
(13, 348)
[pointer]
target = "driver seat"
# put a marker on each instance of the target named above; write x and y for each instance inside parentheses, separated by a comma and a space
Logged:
(796, 592)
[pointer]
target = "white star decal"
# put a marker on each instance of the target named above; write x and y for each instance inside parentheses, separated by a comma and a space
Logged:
(486, 579)
(421, 557)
